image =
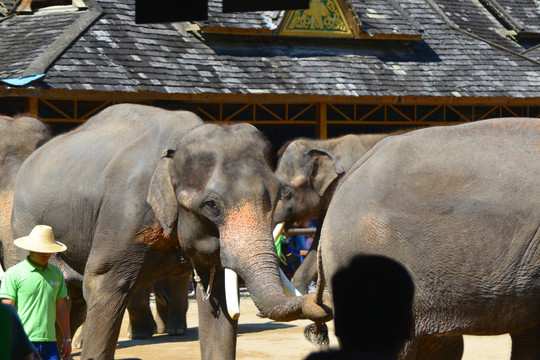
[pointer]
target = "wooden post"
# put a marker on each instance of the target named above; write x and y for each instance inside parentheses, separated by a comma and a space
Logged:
(322, 131)
(32, 106)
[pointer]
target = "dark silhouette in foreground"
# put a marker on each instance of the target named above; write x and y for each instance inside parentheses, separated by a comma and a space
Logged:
(373, 298)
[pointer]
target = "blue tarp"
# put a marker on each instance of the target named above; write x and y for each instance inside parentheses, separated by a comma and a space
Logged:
(18, 82)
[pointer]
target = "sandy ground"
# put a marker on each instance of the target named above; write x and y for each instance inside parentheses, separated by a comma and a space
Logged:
(260, 339)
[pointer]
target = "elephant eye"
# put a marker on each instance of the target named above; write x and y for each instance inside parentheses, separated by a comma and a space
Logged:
(212, 206)
(286, 192)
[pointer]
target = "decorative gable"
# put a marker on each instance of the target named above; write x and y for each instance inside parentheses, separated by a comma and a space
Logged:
(323, 18)
(358, 19)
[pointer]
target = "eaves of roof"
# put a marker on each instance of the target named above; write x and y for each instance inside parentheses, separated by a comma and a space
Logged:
(116, 55)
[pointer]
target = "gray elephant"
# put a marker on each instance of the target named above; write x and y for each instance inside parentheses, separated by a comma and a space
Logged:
(459, 206)
(312, 169)
(19, 137)
(139, 193)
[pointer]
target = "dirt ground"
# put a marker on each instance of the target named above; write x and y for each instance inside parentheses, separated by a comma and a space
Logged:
(263, 339)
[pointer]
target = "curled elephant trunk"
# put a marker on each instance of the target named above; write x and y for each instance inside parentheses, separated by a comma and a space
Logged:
(231, 291)
(264, 282)
(276, 305)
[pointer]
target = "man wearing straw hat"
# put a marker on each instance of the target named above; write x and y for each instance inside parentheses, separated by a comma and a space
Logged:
(38, 291)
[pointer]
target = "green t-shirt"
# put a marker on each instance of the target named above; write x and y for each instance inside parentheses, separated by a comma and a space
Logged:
(35, 292)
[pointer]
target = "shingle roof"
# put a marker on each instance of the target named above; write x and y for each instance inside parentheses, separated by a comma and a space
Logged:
(473, 17)
(24, 45)
(495, 23)
(526, 12)
(115, 54)
(384, 17)
(238, 20)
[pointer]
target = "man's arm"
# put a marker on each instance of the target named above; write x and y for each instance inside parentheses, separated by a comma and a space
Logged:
(8, 301)
(62, 316)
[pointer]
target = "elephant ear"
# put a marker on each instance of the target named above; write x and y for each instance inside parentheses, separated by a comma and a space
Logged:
(325, 169)
(161, 194)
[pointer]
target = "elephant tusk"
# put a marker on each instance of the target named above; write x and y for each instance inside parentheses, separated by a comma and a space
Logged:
(278, 230)
(289, 288)
(231, 294)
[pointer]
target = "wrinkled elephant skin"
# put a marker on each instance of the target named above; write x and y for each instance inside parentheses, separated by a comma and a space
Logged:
(138, 194)
(459, 206)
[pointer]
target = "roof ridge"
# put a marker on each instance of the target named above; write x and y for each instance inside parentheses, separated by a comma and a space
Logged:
(455, 27)
(58, 46)
(502, 15)
(403, 13)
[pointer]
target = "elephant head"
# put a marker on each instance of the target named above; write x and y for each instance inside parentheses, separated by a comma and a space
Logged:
(219, 193)
(313, 168)
(309, 171)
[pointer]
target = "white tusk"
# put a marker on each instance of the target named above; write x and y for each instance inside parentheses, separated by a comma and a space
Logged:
(231, 294)
(289, 288)
(278, 230)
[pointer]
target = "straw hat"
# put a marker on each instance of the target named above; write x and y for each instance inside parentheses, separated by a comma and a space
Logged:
(41, 240)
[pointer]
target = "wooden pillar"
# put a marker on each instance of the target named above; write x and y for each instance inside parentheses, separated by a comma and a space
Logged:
(322, 130)
(32, 106)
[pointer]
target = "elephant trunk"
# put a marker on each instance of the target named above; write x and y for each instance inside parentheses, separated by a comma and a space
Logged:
(247, 248)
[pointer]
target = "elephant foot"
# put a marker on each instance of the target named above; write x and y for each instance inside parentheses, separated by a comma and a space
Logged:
(173, 330)
(140, 334)
(317, 333)
(176, 332)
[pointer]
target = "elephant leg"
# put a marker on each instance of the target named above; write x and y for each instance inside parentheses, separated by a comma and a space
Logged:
(440, 347)
(172, 313)
(77, 341)
(141, 320)
(77, 314)
(106, 296)
(162, 304)
(526, 344)
(306, 272)
(217, 331)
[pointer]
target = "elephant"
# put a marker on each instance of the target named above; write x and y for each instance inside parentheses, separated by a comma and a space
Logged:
(171, 301)
(21, 135)
(459, 207)
(139, 193)
(312, 169)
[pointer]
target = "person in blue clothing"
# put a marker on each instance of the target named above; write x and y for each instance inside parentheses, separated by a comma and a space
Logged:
(302, 242)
